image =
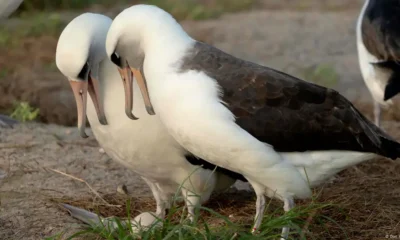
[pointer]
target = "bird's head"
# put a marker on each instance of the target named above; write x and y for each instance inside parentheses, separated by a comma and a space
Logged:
(133, 33)
(80, 49)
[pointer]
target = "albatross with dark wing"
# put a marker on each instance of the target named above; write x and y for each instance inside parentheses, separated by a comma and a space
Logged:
(378, 42)
(154, 155)
(236, 114)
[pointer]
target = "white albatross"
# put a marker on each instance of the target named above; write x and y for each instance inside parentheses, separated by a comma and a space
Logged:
(236, 114)
(154, 154)
(378, 43)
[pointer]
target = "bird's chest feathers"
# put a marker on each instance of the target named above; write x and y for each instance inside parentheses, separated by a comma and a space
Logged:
(137, 144)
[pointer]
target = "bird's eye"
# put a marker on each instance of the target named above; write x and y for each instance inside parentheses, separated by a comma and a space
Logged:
(84, 72)
(116, 59)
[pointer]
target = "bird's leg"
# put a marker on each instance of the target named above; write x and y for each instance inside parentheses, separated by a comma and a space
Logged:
(288, 204)
(260, 207)
(161, 201)
(166, 200)
(192, 201)
(377, 113)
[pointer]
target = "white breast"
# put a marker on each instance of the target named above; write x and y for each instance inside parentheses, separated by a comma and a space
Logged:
(374, 79)
(142, 145)
(189, 106)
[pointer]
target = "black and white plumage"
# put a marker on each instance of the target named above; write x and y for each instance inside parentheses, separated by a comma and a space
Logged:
(237, 115)
(378, 42)
(261, 97)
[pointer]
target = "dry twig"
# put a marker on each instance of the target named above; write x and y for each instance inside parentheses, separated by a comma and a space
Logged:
(87, 184)
(9, 146)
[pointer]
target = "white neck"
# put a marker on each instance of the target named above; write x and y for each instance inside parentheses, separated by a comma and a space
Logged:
(360, 19)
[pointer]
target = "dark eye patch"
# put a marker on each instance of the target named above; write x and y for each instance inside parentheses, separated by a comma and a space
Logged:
(116, 60)
(84, 72)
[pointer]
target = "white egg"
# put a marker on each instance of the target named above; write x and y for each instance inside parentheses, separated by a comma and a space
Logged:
(145, 221)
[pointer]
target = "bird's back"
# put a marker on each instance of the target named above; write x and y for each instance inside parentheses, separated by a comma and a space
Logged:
(287, 112)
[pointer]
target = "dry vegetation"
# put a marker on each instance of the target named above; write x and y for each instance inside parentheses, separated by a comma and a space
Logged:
(361, 203)
(28, 72)
(364, 201)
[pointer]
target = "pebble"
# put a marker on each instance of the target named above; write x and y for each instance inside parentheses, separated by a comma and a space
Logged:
(122, 189)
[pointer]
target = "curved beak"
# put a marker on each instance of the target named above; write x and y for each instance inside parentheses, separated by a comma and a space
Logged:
(80, 89)
(94, 92)
(141, 80)
(80, 92)
(127, 80)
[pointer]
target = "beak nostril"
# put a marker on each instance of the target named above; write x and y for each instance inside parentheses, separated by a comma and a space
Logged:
(79, 89)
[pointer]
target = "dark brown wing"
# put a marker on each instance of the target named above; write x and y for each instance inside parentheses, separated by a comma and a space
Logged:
(286, 112)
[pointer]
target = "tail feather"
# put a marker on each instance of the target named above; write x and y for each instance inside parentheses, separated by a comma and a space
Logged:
(385, 145)
(83, 215)
(390, 148)
(95, 220)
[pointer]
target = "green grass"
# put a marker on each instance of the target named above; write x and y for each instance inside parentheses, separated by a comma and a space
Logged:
(3, 73)
(211, 225)
(42, 17)
(24, 112)
(177, 227)
(324, 75)
(199, 10)
(49, 23)
(58, 236)
(33, 26)
(181, 9)
(51, 5)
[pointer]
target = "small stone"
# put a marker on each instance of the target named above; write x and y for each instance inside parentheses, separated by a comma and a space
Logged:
(101, 150)
(7, 122)
(122, 189)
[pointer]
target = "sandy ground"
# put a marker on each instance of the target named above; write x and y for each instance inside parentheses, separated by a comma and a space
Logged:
(30, 192)
(288, 40)
(366, 198)
(31, 151)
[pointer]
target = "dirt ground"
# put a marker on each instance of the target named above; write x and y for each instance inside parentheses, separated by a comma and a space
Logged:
(281, 34)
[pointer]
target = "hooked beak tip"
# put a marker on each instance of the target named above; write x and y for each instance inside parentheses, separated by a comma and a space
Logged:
(83, 134)
(150, 110)
(103, 121)
(130, 115)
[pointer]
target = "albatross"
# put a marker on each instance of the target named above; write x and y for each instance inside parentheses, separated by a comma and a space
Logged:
(378, 43)
(239, 115)
(144, 145)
